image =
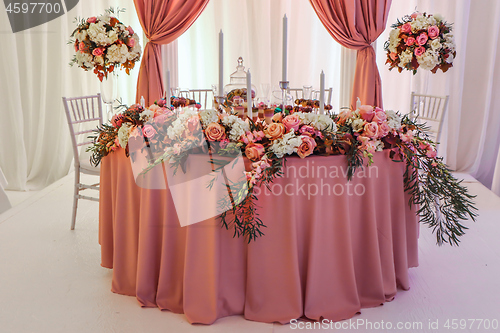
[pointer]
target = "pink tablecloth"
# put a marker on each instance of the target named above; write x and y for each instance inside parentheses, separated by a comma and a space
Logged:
(326, 256)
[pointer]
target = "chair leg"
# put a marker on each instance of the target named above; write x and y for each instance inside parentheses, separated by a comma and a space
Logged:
(75, 197)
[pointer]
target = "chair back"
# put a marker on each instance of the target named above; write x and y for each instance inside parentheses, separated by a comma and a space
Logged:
(203, 96)
(429, 109)
(83, 114)
(328, 92)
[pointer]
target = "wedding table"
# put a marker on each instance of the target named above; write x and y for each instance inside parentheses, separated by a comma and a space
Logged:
(322, 256)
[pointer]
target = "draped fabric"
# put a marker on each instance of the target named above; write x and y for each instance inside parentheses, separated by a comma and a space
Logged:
(163, 21)
(356, 24)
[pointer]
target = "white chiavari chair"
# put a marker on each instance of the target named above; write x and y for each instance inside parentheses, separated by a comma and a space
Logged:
(83, 114)
(429, 109)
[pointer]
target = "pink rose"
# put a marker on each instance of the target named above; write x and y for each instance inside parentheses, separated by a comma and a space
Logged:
(131, 42)
(81, 46)
(380, 116)
(130, 30)
(223, 143)
(366, 112)
(422, 38)
(92, 19)
(433, 31)
(292, 122)
(307, 146)
(383, 129)
(98, 52)
(307, 130)
(415, 15)
(431, 153)
(254, 151)
(406, 28)
(419, 51)
(410, 41)
(371, 130)
(148, 131)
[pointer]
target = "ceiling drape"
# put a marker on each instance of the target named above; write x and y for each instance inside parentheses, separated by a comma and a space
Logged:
(356, 24)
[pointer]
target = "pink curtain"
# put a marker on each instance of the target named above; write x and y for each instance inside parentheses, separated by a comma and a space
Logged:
(163, 21)
(356, 24)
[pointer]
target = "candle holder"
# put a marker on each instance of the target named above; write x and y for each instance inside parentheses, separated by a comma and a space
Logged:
(284, 89)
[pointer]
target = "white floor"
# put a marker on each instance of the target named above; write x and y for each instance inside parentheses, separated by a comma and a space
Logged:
(51, 279)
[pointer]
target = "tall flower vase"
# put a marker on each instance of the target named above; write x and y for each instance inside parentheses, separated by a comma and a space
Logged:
(108, 93)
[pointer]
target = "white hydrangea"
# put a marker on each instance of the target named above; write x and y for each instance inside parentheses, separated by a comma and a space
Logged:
(147, 115)
(117, 53)
(84, 59)
(82, 35)
(179, 125)
(209, 116)
(421, 22)
(438, 18)
(393, 119)
(123, 134)
(286, 145)
(394, 40)
(449, 42)
(405, 58)
(99, 60)
(428, 60)
(238, 127)
(320, 122)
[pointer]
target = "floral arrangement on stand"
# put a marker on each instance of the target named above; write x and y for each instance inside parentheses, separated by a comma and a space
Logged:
(441, 200)
(103, 43)
(421, 41)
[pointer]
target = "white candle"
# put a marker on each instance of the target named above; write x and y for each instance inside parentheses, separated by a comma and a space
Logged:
(221, 64)
(358, 104)
(249, 94)
(167, 85)
(143, 102)
(322, 93)
(285, 37)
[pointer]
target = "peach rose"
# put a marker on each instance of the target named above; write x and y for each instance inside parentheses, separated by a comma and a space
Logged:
(366, 112)
(278, 117)
(292, 122)
(371, 130)
(148, 131)
(344, 115)
(406, 28)
(215, 132)
(422, 38)
(254, 151)
(393, 55)
(307, 146)
(275, 131)
(433, 31)
(81, 47)
(419, 51)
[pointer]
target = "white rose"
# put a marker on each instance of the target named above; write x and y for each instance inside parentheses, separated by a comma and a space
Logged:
(438, 17)
(435, 44)
(405, 58)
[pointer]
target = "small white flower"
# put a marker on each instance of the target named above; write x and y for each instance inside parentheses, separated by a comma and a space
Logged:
(124, 134)
(435, 44)
(358, 125)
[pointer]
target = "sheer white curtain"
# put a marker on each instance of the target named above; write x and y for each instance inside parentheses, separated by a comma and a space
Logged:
(34, 71)
(471, 136)
(253, 30)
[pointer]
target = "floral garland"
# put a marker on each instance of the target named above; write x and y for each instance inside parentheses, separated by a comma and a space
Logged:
(103, 43)
(442, 201)
(421, 40)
